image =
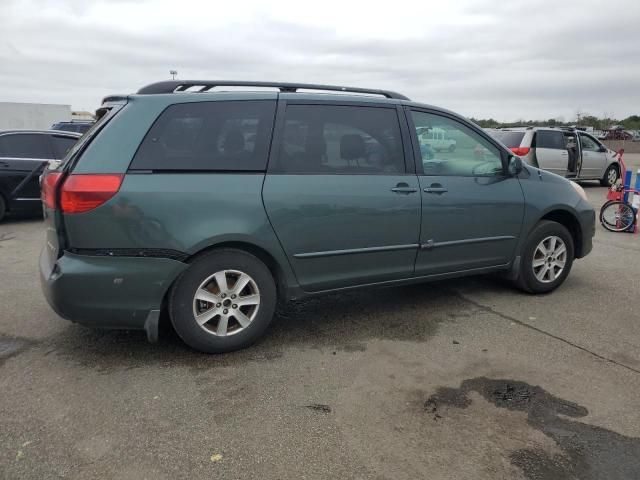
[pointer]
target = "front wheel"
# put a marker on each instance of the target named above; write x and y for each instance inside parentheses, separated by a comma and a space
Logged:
(611, 176)
(547, 258)
(223, 302)
(617, 216)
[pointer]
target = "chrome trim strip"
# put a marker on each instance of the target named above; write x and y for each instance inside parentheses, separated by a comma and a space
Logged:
(353, 251)
(431, 244)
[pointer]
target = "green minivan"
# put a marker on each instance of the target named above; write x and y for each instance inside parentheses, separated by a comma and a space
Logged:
(214, 200)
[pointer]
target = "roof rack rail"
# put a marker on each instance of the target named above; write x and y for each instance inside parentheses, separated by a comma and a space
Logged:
(175, 86)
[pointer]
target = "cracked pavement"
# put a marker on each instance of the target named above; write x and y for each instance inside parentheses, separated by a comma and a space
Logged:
(464, 379)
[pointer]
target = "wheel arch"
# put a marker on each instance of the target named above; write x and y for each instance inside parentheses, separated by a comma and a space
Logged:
(570, 221)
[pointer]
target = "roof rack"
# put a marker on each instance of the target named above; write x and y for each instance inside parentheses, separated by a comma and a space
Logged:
(176, 86)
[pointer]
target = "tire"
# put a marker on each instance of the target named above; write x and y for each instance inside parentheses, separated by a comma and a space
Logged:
(3, 208)
(617, 216)
(611, 176)
(244, 323)
(452, 148)
(529, 276)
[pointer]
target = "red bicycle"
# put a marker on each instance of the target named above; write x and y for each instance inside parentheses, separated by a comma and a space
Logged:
(618, 215)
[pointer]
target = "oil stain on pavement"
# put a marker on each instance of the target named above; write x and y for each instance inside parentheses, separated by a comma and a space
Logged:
(588, 452)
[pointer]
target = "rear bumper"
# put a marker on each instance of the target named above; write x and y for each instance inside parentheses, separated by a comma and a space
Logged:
(107, 292)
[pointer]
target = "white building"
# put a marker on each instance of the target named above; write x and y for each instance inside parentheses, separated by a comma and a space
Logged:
(32, 115)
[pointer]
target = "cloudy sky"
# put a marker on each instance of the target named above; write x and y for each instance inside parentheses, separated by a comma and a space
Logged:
(504, 59)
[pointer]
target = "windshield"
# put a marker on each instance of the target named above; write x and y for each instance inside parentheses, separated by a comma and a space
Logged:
(103, 115)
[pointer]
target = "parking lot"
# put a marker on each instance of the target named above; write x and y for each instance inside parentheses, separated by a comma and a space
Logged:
(464, 379)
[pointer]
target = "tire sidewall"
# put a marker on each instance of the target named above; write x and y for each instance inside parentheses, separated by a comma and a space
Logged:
(181, 301)
(528, 280)
(605, 179)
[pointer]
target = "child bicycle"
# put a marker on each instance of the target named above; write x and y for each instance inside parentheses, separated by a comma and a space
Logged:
(618, 214)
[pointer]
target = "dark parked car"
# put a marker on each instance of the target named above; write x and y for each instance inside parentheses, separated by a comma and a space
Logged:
(78, 126)
(23, 156)
(214, 205)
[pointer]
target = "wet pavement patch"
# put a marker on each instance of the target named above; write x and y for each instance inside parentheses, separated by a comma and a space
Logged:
(588, 452)
(318, 407)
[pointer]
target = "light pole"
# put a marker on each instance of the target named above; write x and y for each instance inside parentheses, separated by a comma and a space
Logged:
(173, 74)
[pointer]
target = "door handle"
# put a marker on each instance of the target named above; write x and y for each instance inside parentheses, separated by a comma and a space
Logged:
(404, 188)
(436, 188)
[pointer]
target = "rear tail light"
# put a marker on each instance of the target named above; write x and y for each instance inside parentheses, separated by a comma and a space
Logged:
(520, 151)
(49, 183)
(83, 192)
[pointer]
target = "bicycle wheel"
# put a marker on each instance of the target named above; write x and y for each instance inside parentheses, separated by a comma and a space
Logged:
(617, 216)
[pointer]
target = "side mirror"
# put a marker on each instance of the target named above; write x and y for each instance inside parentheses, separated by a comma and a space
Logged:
(515, 165)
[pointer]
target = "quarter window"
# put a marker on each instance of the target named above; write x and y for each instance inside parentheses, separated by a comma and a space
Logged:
(340, 140)
(450, 148)
(25, 145)
(227, 136)
(547, 139)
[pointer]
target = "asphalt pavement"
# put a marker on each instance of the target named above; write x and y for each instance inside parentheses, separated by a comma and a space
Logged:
(464, 379)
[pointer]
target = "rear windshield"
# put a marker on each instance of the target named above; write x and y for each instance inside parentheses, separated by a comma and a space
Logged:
(510, 139)
(103, 115)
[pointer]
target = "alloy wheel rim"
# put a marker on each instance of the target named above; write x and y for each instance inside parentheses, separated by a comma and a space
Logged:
(613, 176)
(549, 259)
(226, 303)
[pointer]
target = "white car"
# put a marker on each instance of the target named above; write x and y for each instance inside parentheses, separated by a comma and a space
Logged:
(566, 151)
(437, 139)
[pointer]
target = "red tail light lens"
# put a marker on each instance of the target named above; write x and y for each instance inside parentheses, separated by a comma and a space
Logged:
(520, 151)
(83, 192)
(49, 182)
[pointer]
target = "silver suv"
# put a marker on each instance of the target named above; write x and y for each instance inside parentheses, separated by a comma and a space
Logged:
(567, 152)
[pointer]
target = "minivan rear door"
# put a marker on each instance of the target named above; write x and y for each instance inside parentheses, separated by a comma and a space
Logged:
(551, 151)
(338, 192)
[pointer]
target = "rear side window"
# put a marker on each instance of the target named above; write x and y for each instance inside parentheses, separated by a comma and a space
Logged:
(510, 139)
(555, 140)
(61, 145)
(217, 136)
(25, 145)
(332, 139)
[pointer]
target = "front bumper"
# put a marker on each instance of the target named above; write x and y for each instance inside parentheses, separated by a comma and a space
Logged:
(107, 292)
(587, 220)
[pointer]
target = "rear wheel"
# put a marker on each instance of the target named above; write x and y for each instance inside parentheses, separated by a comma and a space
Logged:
(547, 258)
(223, 302)
(617, 216)
(611, 176)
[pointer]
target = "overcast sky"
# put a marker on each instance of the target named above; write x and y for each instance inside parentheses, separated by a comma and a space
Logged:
(508, 60)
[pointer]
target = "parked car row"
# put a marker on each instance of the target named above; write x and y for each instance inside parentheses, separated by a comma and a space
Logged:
(23, 156)
(215, 205)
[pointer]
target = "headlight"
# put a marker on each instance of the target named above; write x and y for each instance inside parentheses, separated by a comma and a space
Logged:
(580, 190)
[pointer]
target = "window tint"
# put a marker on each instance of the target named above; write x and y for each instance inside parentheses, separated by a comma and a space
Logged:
(588, 143)
(510, 139)
(340, 139)
(25, 145)
(232, 135)
(547, 139)
(61, 145)
(448, 147)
